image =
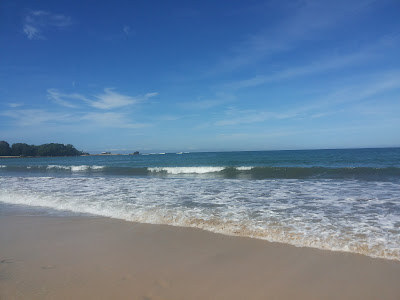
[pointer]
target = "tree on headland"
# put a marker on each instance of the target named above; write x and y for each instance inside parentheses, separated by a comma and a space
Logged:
(22, 149)
(57, 150)
(52, 149)
(5, 149)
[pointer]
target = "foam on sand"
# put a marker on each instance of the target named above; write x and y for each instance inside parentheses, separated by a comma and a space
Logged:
(332, 215)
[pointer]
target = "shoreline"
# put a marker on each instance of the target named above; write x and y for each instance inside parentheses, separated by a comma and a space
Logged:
(116, 154)
(44, 257)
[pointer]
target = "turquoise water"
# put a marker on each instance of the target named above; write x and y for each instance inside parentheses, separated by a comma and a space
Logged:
(343, 200)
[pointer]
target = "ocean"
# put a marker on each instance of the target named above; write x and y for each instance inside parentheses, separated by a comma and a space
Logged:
(339, 200)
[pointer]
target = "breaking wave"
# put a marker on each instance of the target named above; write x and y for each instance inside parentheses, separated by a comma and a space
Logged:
(352, 216)
(240, 172)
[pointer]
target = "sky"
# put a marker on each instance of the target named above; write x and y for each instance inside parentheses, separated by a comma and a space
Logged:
(200, 75)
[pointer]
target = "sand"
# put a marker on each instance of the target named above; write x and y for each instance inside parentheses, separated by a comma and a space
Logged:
(100, 258)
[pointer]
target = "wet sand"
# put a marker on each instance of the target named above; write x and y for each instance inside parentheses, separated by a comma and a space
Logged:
(100, 258)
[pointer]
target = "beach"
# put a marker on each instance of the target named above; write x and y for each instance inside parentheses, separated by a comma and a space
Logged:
(318, 224)
(46, 257)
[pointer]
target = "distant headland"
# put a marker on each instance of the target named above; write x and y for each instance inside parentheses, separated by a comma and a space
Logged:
(25, 150)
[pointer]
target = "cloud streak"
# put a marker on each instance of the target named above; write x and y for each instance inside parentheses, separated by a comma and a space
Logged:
(38, 22)
(33, 117)
(38, 117)
(295, 29)
(325, 64)
(109, 99)
(330, 103)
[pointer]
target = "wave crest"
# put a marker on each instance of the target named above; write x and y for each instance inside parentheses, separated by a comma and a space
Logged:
(231, 172)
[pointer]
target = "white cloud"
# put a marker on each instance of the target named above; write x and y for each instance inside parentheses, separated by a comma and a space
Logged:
(33, 33)
(32, 117)
(127, 30)
(36, 23)
(59, 98)
(107, 100)
(149, 95)
(91, 120)
(110, 99)
(14, 105)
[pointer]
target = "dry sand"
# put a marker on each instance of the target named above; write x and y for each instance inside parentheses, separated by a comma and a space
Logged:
(100, 258)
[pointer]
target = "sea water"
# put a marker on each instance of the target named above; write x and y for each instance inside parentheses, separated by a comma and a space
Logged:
(341, 200)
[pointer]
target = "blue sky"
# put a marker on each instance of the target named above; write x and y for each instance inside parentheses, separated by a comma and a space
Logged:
(200, 75)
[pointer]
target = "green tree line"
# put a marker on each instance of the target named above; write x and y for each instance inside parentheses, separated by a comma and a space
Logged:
(52, 149)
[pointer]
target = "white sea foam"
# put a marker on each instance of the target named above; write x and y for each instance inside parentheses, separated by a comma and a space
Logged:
(193, 170)
(353, 216)
(58, 167)
(97, 167)
(79, 168)
(244, 168)
(75, 168)
(186, 170)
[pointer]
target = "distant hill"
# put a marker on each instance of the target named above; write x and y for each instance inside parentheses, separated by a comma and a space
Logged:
(52, 149)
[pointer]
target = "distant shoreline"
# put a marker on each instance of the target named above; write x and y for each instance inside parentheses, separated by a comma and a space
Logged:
(41, 156)
(116, 154)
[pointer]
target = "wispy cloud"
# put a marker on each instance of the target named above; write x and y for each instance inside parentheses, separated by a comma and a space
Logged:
(14, 105)
(315, 67)
(38, 117)
(109, 99)
(32, 32)
(328, 63)
(32, 117)
(337, 100)
(365, 87)
(294, 29)
(60, 98)
(37, 22)
(127, 30)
